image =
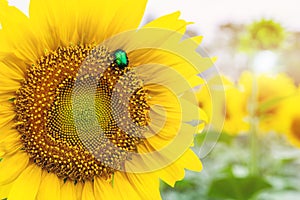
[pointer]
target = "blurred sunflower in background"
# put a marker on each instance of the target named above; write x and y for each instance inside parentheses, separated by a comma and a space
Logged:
(234, 106)
(204, 100)
(265, 34)
(236, 118)
(290, 123)
(272, 90)
(272, 93)
(46, 149)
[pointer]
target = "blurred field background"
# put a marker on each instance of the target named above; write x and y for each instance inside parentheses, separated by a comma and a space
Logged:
(257, 44)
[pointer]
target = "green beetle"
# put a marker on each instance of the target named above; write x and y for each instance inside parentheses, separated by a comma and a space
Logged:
(120, 58)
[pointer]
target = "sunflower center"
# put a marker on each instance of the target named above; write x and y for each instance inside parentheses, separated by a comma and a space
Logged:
(81, 112)
(295, 127)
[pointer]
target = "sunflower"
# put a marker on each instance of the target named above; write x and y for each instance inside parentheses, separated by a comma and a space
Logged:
(272, 91)
(236, 117)
(232, 106)
(91, 107)
(264, 34)
(290, 122)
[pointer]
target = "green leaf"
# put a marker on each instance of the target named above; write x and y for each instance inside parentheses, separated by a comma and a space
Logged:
(237, 188)
(163, 186)
(288, 161)
(226, 138)
(185, 185)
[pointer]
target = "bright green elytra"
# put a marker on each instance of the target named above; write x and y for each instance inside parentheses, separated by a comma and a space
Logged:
(121, 58)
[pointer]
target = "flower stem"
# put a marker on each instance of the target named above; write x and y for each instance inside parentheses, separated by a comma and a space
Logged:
(254, 146)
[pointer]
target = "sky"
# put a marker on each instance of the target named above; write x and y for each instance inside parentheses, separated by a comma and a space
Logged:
(207, 15)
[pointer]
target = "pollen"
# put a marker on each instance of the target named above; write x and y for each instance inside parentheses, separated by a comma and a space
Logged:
(69, 91)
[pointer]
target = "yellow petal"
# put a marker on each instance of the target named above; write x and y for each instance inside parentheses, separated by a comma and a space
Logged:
(195, 81)
(53, 22)
(92, 20)
(12, 21)
(193, 42)
(68, 191)
(175, 171)
(8, 86)
(7, 132)
(170, 21)
(128, 16)
(160, 64)
(105, 190)
(6, 16)
(9, 148)
(88, 191)
(10, 144)
(4, 45)
(191, 112)
(171, 174)
(197, 39)
(122, 184)
(151, 191)
(160, 151)
(11, 73)
(189, 160)
(7, 108)
(78, 189)
(89, 17)
(49, 180)
(4, 190)
(27, 184)
(137, 186)
(9, 170)
(6, 115)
